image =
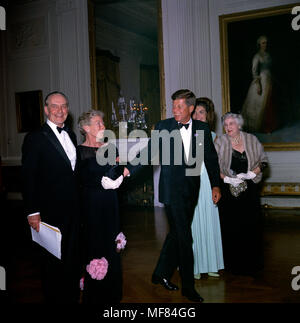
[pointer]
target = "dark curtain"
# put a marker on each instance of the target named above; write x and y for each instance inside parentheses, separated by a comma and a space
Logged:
(150, 92)
(108, 83)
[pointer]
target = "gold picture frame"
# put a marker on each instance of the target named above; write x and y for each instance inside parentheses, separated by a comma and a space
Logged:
(29, 110)
(264, 91)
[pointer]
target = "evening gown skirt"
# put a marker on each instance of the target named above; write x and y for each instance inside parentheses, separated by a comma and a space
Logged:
(101, 226)
(241, 224)
(206, 232)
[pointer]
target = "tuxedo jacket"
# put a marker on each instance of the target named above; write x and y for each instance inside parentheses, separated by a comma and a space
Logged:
(50, 186)
(174, 182)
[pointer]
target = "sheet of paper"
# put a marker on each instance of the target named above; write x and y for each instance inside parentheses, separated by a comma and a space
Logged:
(48, 237)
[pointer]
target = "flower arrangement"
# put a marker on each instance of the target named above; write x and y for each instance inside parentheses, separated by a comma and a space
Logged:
(97, 268)
(120, 241)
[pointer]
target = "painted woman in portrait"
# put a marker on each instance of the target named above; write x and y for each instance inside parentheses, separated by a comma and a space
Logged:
(258, 109)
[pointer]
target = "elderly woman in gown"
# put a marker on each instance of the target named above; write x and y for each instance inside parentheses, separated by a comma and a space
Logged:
(242, 160)
(100, 209)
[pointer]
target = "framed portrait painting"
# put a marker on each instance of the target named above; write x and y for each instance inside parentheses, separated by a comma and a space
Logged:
(260, 65)
(29, 109)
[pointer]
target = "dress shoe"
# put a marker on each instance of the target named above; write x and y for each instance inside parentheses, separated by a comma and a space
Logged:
(197, 276)
(211, 274)
(164, 282)
(192, 295)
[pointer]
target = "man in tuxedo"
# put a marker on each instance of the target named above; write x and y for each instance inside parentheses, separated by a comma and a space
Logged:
(179, 193)
(50, 193)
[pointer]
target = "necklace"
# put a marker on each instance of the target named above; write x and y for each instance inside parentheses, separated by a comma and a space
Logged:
(236, 140)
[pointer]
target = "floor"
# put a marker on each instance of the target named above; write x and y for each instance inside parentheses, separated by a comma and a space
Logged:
(145, 229)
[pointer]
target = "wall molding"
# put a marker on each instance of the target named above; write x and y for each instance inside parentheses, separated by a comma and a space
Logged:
(283, 189)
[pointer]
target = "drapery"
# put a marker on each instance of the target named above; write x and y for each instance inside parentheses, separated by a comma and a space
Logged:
(108, 83)
(150, 92)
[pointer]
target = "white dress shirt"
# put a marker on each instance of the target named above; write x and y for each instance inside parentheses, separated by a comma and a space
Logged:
(66, 142)
(67, 145)
(186, 138)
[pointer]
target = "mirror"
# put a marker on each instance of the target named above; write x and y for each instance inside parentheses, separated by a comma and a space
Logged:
(126, 56)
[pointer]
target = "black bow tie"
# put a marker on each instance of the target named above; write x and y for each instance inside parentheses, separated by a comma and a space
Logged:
(65, 128)
(180, 125)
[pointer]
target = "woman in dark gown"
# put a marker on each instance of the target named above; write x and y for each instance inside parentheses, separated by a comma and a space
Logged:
(241, 159)
(101, 223)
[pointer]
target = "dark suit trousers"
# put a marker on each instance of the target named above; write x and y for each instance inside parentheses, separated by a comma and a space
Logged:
(60, 280)
(177, 249)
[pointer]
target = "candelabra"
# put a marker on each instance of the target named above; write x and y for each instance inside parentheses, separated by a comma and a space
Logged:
(135, 115)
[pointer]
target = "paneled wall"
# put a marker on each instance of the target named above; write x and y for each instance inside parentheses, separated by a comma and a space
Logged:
(45, 47)
(192, 60)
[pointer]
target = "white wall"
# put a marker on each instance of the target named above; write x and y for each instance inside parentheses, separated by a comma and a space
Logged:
(192, 60)
(46, 49)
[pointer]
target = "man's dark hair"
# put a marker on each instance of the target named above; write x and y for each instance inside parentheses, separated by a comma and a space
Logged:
(189, 96)
(53, 93)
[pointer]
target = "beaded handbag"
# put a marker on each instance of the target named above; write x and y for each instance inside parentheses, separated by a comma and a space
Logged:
(236, 191)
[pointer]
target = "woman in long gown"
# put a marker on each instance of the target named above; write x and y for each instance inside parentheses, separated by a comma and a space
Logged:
(259, 107)
(100, 216)
(242, 159)
(206, 232)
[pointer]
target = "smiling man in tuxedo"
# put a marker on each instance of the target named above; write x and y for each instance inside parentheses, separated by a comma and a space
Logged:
(50, 192)
(179, 193)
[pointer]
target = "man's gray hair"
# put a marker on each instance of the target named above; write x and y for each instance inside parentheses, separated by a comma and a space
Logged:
(55, 93)
(85, 119)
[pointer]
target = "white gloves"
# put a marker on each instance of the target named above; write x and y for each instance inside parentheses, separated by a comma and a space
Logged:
(248, 175)
(234, 181)
(109, 184)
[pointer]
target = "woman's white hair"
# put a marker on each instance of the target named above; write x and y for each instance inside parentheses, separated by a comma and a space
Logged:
(85, 119)
(237, 117)
(260, 38)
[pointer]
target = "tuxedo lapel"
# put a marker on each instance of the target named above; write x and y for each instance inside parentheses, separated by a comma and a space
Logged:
(174, 126)
(50, 135)
(193, 140)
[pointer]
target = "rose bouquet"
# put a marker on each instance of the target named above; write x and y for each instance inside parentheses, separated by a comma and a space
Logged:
(120, 241)
(97, 268)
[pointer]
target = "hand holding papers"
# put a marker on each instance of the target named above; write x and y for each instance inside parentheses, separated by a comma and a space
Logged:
(48, 237)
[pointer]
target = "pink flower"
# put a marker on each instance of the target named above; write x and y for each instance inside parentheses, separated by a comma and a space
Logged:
(81, 283)
(120, 241)
(97, 268)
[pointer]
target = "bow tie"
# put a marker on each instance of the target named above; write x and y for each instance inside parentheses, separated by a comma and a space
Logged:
(65, 128)
(180, 125)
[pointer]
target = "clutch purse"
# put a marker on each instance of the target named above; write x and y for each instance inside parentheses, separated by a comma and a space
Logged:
(115, 171)
(236, 191)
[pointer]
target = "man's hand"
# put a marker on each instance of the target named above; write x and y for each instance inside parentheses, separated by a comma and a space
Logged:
(216, 194)
(34, 222)
(126, 172)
